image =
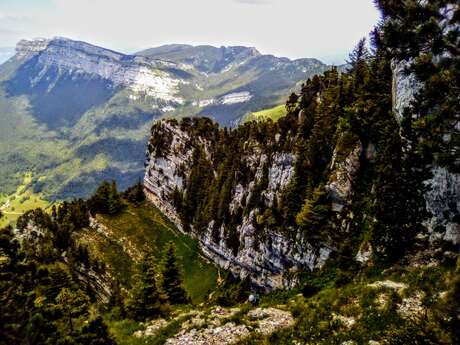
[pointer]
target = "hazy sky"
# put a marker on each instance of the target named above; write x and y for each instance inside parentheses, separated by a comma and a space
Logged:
(325, 29)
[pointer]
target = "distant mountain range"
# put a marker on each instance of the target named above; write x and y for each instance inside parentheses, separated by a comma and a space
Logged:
(75, 114)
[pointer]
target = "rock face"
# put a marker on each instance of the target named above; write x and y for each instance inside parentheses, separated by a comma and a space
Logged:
(34, 239)
(265, 255)
(247, 241)
(443, 202)
(405, 87)
(443, 198)
(138, 73)
(343, 173)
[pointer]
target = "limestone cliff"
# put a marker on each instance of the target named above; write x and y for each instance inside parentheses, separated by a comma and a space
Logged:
(227, 189)
(443, 198)
(138, 73)
(263, 252)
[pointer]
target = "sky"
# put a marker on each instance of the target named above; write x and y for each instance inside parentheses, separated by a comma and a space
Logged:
(324, 29)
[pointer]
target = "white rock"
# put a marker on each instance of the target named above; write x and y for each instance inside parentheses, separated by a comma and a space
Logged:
(236, 97)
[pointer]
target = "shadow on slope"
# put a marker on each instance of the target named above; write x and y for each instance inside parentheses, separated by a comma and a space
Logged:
(57, 98)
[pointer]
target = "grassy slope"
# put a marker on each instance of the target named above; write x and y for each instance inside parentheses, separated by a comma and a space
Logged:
(274, 114)
(20, 201)
(140, 226)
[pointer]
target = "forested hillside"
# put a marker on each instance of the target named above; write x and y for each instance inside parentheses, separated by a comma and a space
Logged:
(341, 219)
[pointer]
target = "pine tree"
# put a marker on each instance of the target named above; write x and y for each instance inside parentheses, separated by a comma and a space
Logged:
(135, 194)
(292, 103)
(116, 300)
(146, 301)
(358, 61)
(114, 203)
(54, 213)
(360, 53)
(315, 213)
(171, 282)
(73, 304)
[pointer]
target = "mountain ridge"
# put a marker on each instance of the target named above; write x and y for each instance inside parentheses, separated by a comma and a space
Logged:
(95, 106)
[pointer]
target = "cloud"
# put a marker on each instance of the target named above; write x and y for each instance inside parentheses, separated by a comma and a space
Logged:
(292, 28)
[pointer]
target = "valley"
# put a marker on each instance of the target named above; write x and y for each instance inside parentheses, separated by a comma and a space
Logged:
(90, 109)
(201, 195)
(23, 199)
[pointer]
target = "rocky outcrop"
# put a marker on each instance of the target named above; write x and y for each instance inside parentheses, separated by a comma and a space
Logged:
(163, 172)
(443, 197)
(265, 262)
(141, 74)
(344, 170)
(264, 254)
(405, 87)
(36, 241)
(217, 326)
(443, 202)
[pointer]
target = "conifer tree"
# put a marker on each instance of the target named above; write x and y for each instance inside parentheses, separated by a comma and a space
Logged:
(358, 60)
(54, 213)
(72, 304)
(135, 194)
(314, 213)
(146, 300)
(291, 103)
(116, 299)
(114, 203)
(95, 333)
(171, 282)
(98, 202)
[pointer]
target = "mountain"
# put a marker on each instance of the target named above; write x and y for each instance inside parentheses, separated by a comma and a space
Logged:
(74, 113)
(363, 169)
(249, 78)
(337, 224)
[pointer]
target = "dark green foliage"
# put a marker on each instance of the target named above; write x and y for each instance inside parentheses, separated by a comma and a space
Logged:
(309, 290)
(232, 291)
(135, 194)
(171, 277)
(95, 333)
(72, 304)
(146, 301)
(315, 214)
(291, 104)
(358, 60)
(159, 140)
(37, 299)
(116, 301)
(200, 176)
(106, 199)
(426, 33)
